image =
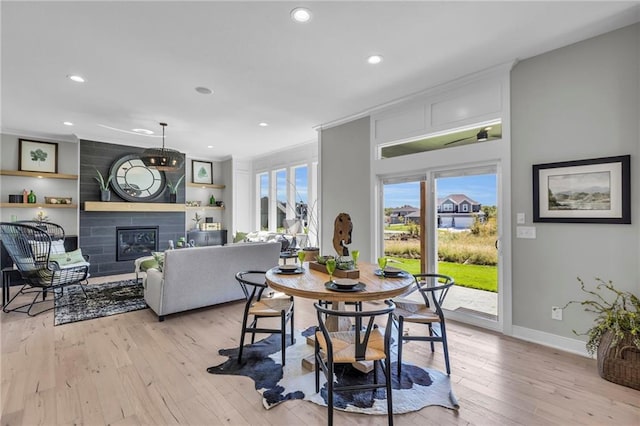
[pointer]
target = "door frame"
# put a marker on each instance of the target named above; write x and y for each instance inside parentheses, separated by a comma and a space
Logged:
(488, 153)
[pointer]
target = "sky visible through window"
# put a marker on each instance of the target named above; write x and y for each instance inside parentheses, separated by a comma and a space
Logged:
(480, 188)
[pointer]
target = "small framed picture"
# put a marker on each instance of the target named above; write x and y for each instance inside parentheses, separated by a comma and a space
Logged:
(35, 156)
(201, 172)
(584, 191)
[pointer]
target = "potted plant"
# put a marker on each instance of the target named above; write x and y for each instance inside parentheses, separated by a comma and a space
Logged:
(173, 189)
(615, 335)
(105, 193)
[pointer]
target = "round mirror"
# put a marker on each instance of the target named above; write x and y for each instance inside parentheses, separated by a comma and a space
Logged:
(133, 181)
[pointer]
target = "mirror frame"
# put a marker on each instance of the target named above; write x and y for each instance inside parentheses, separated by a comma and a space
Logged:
(122, 192)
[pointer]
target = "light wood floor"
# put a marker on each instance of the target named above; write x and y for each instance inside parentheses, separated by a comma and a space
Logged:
(131, 369)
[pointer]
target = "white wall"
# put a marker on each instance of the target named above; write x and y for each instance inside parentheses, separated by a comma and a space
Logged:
(577, 102)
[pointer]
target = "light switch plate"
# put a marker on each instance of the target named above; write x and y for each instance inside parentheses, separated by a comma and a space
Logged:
(520, 218)
(526, 232)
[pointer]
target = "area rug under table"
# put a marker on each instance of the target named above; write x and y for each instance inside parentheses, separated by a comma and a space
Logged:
(417, 387)
(103, 300)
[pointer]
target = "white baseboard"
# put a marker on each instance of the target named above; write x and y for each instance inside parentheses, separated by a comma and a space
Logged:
(552, 340)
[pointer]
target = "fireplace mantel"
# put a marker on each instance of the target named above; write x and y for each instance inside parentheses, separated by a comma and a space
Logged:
(98, 206)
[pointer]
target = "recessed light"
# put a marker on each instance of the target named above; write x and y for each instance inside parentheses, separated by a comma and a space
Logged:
(143, 131)
(76, 78)
(301, 14)
(210, 146)
(263, 124)
(374, 59)
(204, 90)
(68, 123)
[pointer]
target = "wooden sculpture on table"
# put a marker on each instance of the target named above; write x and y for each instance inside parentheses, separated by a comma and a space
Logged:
(342, 228)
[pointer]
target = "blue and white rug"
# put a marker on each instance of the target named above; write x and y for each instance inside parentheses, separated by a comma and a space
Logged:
(417, 387)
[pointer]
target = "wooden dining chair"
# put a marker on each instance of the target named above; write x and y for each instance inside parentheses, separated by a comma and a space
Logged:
(363, 342)
(253, 285)
(434, 289)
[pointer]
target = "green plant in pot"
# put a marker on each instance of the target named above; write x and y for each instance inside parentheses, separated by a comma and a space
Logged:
(105, 193)
(615, 335)
(173, 189)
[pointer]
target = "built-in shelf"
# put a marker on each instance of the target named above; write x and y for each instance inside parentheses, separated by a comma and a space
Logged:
(205, 185)
(37, 205)
(99, 206)
(204, 207)
(38, 175)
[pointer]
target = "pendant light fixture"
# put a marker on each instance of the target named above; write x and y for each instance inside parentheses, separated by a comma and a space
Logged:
(165, 159)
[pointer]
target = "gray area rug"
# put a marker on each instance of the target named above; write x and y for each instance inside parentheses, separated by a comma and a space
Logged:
(103, 300)
(415, 389)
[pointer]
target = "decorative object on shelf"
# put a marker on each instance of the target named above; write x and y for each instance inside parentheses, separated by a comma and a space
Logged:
(105, 193)
(133, 181)
(196, 219)
(173, 189)
(615, 336)
(201, 172)
(31, 198)
(212, 200)
(25, 196)
(584, 191)
(58, 200)
(38, 156)
(220, 204)
(15, 198)
(211, 226)
(41, 217)
(193, 203)
(164, 159)
(182, 241)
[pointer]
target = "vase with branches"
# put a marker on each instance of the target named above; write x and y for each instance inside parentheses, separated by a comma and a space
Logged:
(615, 333)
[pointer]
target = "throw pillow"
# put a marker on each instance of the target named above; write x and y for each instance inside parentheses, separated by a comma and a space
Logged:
(159, 258)
(240, 237)
(64, 259)
(148, 264)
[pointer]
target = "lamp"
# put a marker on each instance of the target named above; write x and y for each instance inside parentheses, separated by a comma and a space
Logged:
(165, 159)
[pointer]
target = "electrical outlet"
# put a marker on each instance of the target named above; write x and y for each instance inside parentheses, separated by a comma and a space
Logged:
(556, 313)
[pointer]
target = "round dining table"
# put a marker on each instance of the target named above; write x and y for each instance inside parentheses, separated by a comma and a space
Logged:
(311, 284)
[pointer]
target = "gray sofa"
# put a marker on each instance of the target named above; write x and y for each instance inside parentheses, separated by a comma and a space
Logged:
(203, 276)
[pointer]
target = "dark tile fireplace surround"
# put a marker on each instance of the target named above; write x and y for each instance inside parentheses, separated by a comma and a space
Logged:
(97, 232)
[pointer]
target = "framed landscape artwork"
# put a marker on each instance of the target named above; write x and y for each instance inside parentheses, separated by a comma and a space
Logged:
(201, 172)
(35, 156)
(584, 191)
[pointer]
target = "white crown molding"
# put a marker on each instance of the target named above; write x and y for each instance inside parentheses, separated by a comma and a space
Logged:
(50, 137)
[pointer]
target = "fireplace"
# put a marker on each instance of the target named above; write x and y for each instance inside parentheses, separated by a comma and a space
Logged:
(133, 242)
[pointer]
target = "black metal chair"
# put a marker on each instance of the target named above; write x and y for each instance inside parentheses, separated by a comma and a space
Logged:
(30, 248)
(253, 285)
(361, 343)
(434, 289)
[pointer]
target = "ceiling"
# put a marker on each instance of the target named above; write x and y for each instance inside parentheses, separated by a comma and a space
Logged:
(143, 60)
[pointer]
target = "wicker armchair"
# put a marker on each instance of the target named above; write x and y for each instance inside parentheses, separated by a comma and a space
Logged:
(30, 248)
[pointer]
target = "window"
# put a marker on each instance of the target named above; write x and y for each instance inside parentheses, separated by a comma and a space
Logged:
(263, 200)
(281, 198)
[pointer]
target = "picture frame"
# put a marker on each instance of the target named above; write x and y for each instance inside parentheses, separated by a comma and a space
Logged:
(584, 191)
(37, 156)
(201, 172)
